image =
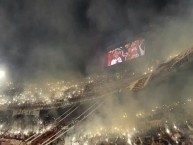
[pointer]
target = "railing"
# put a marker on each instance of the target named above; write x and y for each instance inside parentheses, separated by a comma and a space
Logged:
(65, 114)
(77, 120)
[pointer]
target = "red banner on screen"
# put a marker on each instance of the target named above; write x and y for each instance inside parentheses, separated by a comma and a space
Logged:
(127, 52)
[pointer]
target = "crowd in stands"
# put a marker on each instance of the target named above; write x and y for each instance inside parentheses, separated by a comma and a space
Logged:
(154, 136)
(161, 133)
(56, 94)
(156, 127)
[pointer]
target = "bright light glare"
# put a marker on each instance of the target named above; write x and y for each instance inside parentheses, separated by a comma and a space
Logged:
(167, 130)
(2, 74)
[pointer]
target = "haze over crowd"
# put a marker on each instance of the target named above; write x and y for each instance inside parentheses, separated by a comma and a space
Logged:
(68, 39)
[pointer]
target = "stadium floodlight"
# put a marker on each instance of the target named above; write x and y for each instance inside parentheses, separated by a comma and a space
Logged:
(2, 74)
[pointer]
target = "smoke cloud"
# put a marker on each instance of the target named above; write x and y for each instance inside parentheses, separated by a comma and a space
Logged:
(56, 38)
(67, 39)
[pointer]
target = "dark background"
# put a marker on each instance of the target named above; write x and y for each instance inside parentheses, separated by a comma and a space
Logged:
(52, 38)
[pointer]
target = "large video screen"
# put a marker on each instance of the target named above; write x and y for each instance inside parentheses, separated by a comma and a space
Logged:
(126, 52)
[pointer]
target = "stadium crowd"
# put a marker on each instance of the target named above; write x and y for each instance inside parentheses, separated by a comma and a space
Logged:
(162, 125)
(158, 127)
(154, 136)
(54, 94)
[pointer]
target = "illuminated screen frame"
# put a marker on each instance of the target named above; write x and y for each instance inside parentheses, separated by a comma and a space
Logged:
(127, 52)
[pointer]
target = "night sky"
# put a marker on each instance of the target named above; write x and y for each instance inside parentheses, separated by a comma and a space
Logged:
(54, 37)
